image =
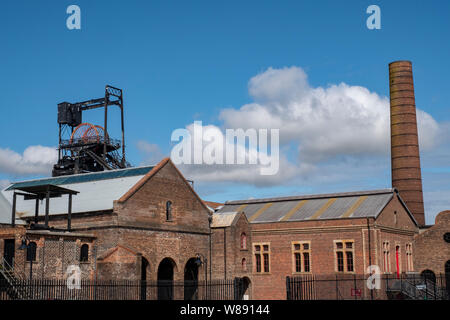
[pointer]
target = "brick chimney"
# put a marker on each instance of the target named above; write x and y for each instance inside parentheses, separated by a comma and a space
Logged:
(405, 157)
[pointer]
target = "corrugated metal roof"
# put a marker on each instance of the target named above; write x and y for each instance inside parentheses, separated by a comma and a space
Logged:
(313, 207)
(97, 191)
(81, 178)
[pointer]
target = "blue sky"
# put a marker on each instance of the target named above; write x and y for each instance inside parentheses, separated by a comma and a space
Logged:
(180, 61)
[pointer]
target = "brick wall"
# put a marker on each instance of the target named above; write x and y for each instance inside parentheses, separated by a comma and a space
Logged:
(322, 234)
(431, 252)
(138, 223)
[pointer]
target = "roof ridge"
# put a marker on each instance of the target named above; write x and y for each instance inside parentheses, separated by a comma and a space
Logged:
(313, 196)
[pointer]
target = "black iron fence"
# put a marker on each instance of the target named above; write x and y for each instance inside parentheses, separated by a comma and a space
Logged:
(360, 287)
(122, 290)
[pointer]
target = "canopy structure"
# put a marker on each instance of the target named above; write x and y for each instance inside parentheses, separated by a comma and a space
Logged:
(41, 192)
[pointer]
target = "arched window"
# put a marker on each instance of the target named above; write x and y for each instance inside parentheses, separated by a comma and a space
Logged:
(84, 253)
(243, 241)
(244, 264)
(31, 251)
(428, 275)
(168, 210)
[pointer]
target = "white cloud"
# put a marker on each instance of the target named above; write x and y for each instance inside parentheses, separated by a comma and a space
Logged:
(323, 122)
(34, 160)
(333, 138)
(435, 202)
(151, 152)
(212, 150)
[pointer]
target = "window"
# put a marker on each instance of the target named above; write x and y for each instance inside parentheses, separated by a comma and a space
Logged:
(409, 260)
(447, 237)
(349, 261)
(244, 264)
(397, 260)
(340, 261)
(306, 267)
(243, 241)
(31, 251)
(266, 262)
(298, 262)
(344, 256)
(301, 256)
(258, 263)
(262, 258)
(168, 210)
(386, 260)
(84, 253)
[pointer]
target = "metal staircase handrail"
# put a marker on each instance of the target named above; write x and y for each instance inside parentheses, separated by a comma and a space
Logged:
(18, 275)
(12, 278)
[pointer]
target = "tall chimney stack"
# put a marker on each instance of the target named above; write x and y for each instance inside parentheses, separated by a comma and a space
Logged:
(405, 157)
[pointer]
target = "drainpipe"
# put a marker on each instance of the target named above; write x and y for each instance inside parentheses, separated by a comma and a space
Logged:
(225, 252)
(210, 247)
(370, 253)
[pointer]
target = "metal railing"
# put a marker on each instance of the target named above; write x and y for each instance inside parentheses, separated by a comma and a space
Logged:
(355, 287)
(123, 290)
(12, 279)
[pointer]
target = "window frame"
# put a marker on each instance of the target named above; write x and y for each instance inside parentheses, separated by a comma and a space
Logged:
(301, 252)
(32, 253)
(409, 257)
(262, 253)
(169, 210)
(81, 259)
(344, 250)
(244, 264)
(243, 243)
(386, 257)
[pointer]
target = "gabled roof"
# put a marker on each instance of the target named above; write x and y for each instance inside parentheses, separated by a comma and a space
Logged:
(225, 219)
(151, 173)
(97, 191)
(312, 207)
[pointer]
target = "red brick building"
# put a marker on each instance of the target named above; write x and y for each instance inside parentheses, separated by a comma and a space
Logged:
(140, 223)
(148, 223)
(328, 234)
(432, 248)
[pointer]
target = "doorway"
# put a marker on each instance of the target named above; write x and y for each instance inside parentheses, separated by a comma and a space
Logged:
(165, 279)
(247, 288)
(144, 267)
(191, 280)
(8, 252)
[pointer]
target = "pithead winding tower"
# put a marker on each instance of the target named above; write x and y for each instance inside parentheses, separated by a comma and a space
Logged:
(405, 157)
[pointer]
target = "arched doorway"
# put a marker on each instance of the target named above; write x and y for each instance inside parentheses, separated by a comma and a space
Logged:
(247, 288)
(447, 277)
(191, 280)
(428, 275)
(165, 279)
(144, 269)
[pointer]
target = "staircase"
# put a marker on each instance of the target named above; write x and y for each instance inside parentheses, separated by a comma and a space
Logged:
(413, 288)
(14, 283)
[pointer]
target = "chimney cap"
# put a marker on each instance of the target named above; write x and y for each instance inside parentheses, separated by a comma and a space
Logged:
(400, 61)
